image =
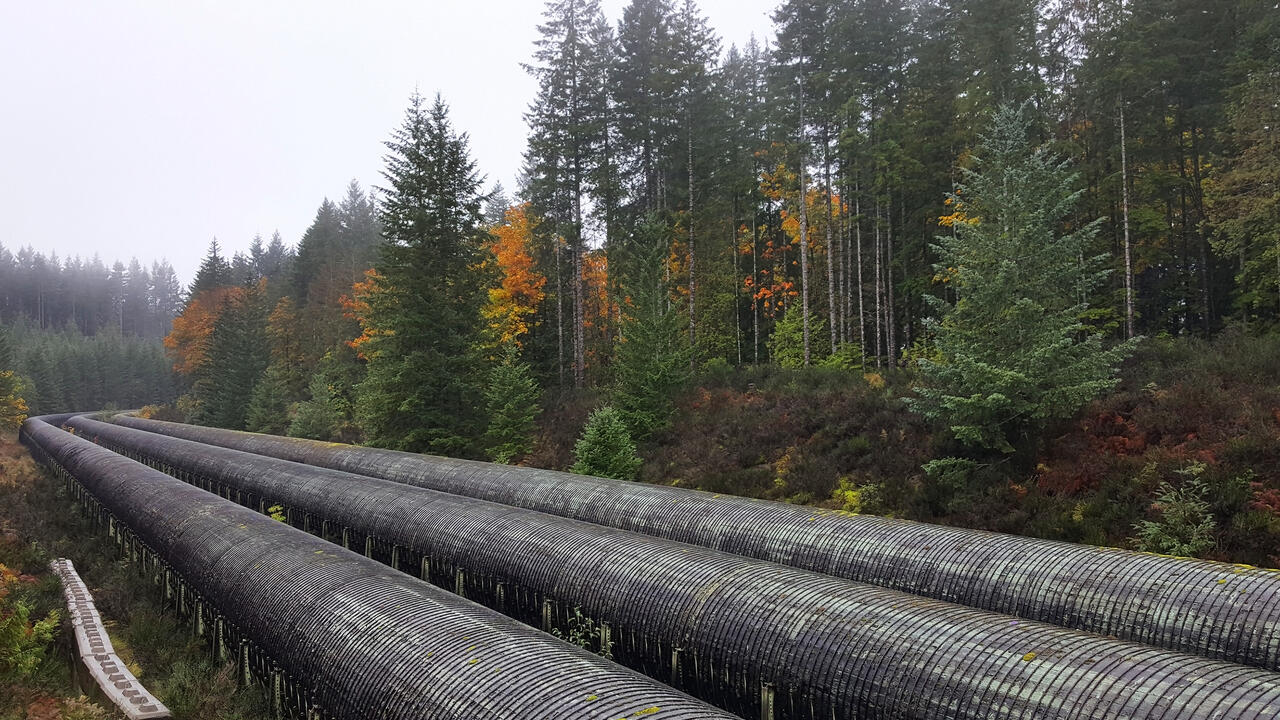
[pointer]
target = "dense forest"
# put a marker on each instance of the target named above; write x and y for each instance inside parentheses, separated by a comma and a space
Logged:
(1004, 263)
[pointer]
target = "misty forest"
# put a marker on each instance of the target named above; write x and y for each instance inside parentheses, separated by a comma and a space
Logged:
(995, 264)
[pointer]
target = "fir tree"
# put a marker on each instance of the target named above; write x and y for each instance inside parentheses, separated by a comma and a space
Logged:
(1185, 527)
(238, 356)
(511, 399)
(421, 309)
(1012, 353)
(653, 358)
(317, 418)
(605, 448)
(268, 410)
(214, 272)
(786, 343)
(568, 135)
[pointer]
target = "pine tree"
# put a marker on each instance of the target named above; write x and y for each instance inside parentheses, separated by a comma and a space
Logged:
(652, 357)
(1013, 353)
(511, 401)
(605, 448)
(421, 309)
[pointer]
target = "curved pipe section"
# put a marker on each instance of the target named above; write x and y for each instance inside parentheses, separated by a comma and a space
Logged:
(758, 638)
(1211, 609)
(345, 636)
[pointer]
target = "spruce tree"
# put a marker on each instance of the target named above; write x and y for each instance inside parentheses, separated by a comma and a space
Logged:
(1012, 352)
(605, 448)
(511, 399)
(422, 319)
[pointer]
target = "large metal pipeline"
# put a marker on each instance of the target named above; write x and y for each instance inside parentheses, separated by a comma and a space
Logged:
(337, 634)
(761, 639)
(1211, 609)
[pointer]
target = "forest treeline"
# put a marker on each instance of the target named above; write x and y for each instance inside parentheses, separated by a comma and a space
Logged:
(82, 335)
(982, 207)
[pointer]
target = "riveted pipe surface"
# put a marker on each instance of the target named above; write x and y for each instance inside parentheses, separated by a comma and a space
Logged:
(732, 629)
(1212, 609)
(350, 636)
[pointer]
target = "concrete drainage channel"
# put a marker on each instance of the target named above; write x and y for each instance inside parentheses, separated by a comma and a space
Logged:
(94, 649)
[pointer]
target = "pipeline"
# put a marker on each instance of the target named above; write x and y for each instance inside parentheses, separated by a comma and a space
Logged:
(758, 638)
(1200, 607)
(334, 634)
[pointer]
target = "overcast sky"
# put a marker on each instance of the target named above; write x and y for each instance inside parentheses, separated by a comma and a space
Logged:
(145, 129)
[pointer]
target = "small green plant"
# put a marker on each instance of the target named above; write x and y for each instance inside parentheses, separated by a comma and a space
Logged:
(585, 633)
(856, 498)
(605, 448)
(786, 344)
(848, 356)
(277, 513)
(23, 641)
(1185, 526)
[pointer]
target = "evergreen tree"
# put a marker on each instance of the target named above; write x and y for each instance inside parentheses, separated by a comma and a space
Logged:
(653, 357)
(1245, 199)
(786, 343)
(318, 417)
(568, 135)
(214, 272)
(165, 298)
(268, 409)
(421, 315)
(605, 448)
(511, 401)
(1012, 351)
(238, 356)
(1185, 527)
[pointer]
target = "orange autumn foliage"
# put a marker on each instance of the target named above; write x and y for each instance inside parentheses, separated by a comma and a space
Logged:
(521, 288)
(773, 290)
(356, 306)
(600, 309)
(188, 342)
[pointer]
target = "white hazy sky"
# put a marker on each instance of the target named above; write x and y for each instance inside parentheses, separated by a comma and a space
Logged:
(135, 128)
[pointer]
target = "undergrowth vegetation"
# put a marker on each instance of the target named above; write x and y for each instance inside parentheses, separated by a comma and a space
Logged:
(1182, 458)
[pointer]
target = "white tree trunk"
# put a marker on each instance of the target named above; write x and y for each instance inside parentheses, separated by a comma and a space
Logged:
(1128, 253)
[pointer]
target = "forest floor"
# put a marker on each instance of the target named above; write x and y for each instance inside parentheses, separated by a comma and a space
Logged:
(38, 523)
(845, 440)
